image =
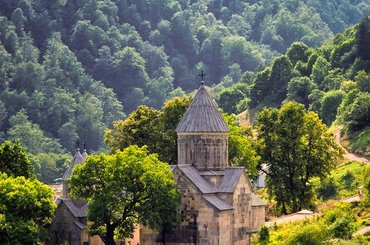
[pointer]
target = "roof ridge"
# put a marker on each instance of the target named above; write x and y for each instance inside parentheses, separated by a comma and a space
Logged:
(202, 115)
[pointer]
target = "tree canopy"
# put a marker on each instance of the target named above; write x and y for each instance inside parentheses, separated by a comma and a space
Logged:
(124, 189)
(14, 160)
(296, 146)
(26, 206)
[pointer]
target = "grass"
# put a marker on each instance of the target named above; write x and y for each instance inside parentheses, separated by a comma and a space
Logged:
(358, 142)
(347, 176)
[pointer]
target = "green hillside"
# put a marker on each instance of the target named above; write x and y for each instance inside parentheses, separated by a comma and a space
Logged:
(332, 80)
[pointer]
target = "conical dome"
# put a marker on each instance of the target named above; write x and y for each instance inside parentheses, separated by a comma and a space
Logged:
(77, 159)
(202, 115)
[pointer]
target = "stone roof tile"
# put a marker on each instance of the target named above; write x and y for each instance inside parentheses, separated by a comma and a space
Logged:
(217, 202)
(196, 179)
(202, 115)
(256, 201)
(230, 179)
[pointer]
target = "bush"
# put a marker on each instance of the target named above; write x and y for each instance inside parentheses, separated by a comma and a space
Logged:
(340, 221)
(264, 235)
(311, 234)
(328, 189)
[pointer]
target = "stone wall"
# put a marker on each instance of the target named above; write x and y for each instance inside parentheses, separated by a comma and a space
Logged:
(63, 228)
(204, 151)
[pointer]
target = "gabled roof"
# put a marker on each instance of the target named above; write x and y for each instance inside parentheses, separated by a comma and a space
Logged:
(196, 179)
(217, 202)
(230, 179)
(256, 201)
(202, 115)
(77, 159)
(77, 208)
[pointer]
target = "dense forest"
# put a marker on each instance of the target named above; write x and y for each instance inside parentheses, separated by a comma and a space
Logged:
(69, 68)
(332, 80)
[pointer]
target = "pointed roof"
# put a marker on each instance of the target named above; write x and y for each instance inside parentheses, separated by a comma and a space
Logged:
(84, 155)
(202, 115)
(77, 159)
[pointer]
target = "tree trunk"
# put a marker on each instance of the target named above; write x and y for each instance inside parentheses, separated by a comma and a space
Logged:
(109, 236)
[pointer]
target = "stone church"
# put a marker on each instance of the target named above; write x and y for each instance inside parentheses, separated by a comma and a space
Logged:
(218, 206)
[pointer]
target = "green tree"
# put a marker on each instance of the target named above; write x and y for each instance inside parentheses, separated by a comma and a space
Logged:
(150, 127)
(14, 160)
(26, 206)
(299, 89)
(320, 70)
(127, 188)
(296, 146)
(329, 106)
(242, 150)
(363, 35)
(358, 115)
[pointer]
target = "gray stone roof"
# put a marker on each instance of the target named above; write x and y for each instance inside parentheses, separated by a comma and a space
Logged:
(80, 225)
(196, 179)
(202, 115)
(217, 202)
(230, 179)
(77, 207)
(77, 159)
(256, 201)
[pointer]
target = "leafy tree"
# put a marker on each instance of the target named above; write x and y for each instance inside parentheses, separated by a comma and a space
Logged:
(298, 52)
(363, 81)
(141, 127)
(329, 105)
(299, 89)
(328, 189)
(281, 73)
(242, 150)
(229, 99)
(363, 35)
(296, 146)
(320, 70)
(26, 206)
(150, 127)
(358, 115)
(127, 188)
(30, 135)
(14, 160)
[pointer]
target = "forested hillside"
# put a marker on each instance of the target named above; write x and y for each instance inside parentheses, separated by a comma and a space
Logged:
(69, 68)
(332, 80)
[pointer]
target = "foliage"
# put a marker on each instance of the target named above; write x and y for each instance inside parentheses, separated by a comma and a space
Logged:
(263, 235)
(296, 146)
(327, 189)
(242, 149)
(124, 189)
(340, 221)
(148, 126)
(26, 206)
(14, 160)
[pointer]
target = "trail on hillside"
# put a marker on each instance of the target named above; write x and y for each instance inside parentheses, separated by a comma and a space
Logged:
(348, 155)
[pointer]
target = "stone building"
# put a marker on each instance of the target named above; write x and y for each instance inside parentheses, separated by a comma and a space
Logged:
(218, 205)
(69, 225)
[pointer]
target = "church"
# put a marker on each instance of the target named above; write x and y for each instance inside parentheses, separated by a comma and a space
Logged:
(218, 205)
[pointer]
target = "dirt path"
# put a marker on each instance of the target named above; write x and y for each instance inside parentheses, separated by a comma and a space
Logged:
(348, 155)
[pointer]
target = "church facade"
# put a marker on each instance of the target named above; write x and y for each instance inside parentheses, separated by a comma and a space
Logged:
(218, 205)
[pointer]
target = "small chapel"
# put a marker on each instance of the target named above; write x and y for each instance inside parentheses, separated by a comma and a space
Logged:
(218, 206)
